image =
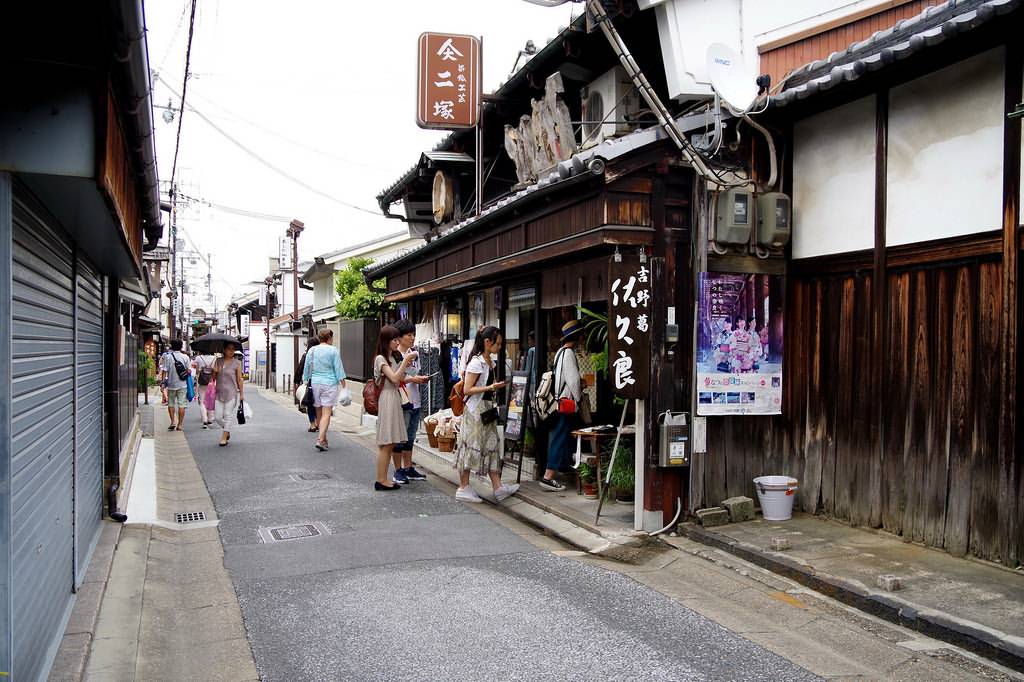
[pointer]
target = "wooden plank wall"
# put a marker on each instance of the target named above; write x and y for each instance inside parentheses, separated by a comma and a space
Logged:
(930, 471)
(779, 60)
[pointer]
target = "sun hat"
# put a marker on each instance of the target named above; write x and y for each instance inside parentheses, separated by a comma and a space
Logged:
(571, 329)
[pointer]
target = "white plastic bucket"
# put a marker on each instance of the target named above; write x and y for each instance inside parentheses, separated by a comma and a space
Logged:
(776, 493)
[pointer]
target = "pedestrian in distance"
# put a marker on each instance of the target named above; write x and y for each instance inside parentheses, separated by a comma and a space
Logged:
(227, 372)
(567, 384)
(174, 370)
(300, 371)
(404, 470)
(479, 447)
(203, 365)
(389, 371)
(324, 372)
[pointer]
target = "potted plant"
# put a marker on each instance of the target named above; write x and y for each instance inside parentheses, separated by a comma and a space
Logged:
(623, 476)
(588, 480)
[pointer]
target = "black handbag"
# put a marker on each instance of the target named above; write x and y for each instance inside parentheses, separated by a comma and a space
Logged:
(489, 416)
(307, 397)
(240, 416)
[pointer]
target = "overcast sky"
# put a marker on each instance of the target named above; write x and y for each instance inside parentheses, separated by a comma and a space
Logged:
(320, 89)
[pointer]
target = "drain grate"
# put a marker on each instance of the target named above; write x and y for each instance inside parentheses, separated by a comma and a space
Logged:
(189, 517)
(298, 531)
(314, 477)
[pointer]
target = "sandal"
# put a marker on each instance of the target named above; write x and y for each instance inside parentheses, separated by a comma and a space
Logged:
(312, 429)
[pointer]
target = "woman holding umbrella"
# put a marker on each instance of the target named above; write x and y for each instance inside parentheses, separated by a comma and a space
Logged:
(227, 373)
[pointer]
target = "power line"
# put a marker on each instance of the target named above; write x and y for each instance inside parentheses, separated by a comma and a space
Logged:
(257, 215)
(289, 140)
(280, 171)
(184, 89)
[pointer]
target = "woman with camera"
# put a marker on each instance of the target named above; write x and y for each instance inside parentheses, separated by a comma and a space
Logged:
(479, 448)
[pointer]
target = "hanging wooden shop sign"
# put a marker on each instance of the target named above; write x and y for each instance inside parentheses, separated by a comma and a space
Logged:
(448, 81)
(629, 326)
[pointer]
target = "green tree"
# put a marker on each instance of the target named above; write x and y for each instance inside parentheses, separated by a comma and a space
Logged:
(356, 299)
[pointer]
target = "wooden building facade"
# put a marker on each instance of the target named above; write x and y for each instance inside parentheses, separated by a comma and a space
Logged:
(902, 361)
(901, 299)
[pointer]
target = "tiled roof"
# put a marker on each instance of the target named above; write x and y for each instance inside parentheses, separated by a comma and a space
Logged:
(933, 26)
(589, 161)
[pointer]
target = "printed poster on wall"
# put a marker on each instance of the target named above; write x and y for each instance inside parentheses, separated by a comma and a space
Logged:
(739, 344)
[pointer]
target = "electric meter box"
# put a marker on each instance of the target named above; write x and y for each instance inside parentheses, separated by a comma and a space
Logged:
(774, 216)
(734, 216)
(674, 439)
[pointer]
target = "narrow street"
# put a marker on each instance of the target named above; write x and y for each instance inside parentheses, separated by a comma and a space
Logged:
(416, 586)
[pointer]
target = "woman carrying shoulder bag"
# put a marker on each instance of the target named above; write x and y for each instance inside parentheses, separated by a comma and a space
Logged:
(389, 371)
(479, 447)
(568, 392)
(227, 373)
(325, 374)
(300, 371)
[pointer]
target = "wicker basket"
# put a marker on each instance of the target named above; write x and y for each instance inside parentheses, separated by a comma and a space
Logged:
(431, 427)
(445, 444)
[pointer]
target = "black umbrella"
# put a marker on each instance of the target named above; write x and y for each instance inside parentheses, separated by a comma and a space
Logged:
(207, 344)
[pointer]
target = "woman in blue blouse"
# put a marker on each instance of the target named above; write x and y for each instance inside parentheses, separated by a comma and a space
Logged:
(325, 373)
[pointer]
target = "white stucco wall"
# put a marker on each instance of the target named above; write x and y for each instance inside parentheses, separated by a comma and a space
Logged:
(323, 293)
(945, 152)
(834, 180)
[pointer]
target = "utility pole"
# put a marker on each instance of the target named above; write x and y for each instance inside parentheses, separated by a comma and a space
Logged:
(294, 230)
(269, 281)
(174, 258)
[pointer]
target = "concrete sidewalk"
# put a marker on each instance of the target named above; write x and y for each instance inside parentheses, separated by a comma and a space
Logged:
(170, 610)
(973, 604)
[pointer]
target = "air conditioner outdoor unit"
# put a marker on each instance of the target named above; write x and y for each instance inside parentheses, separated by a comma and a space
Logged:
(611, 97)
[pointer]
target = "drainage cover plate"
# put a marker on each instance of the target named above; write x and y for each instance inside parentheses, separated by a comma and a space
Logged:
(296, 531)
(189, 517)
(310, 477)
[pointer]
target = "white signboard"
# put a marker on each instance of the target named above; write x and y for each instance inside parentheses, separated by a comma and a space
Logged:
(285, 253)
(243, 329)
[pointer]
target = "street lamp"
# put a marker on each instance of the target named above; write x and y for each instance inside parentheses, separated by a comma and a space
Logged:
(295, 228)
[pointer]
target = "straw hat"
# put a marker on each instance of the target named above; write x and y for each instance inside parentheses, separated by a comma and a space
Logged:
(571, 329)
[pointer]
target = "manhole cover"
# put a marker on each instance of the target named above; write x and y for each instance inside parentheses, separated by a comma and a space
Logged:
(310, 477)
(296, 531)
(189, 517)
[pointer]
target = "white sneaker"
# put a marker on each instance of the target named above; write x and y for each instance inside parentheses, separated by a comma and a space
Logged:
(468, 495)
(506, 491)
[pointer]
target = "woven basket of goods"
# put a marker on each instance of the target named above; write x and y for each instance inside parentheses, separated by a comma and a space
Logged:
(445, 443)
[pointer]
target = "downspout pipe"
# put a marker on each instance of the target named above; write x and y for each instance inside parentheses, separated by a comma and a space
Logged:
(132, 55)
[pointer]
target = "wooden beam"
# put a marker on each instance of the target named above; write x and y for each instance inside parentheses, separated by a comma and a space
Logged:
(1009, 460)
(879, 311)
(600, 236)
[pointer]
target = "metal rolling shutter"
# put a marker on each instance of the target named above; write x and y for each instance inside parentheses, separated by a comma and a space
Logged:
(42, 435)
(88, 414)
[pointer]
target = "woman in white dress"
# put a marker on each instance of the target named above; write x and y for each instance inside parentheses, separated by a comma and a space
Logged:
(479, 448)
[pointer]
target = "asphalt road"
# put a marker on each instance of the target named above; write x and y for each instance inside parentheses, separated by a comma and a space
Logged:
(412, 585)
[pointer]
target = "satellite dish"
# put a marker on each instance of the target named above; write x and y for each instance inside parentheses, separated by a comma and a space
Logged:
(732, 79)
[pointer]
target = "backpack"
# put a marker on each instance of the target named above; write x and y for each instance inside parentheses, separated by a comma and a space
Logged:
(545, 402)
(179, 367)
(205, 375)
